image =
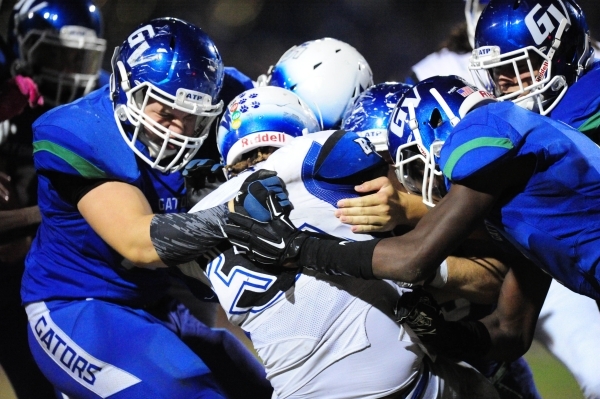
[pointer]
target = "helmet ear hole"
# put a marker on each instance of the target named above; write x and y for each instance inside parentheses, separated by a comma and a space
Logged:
(435, 120)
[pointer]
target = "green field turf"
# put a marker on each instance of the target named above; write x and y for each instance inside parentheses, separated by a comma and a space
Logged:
(551, 377)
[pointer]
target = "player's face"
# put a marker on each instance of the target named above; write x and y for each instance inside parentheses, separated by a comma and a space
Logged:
(506, 78)
(173, 119)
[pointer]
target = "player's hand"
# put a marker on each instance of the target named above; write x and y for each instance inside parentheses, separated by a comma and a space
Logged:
(273, 242)
(16, 94)
(381, 211)
(201, 177)
(421, 313)
(29, 89)
(255, 193)
(198, 172)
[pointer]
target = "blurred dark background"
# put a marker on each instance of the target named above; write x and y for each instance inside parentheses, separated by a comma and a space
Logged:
(252, 34)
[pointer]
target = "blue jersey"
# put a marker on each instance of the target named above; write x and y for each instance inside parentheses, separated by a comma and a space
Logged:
(580, 107)
(68, 260)
(554, 220)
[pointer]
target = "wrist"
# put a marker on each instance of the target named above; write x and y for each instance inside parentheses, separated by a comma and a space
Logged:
(414, 208)
(440, 278)
(332, 256)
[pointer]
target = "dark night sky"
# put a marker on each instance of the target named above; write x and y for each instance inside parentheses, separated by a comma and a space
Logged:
(253, 34)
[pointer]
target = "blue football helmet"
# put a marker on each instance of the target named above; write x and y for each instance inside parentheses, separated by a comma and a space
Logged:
(547, 39)
(177, 64)
(370, 114)
(260, 117)
(59, 44)
(420, 124)
(327, 74)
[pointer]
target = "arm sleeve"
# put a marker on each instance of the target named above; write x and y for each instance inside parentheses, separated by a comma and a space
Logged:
(72, 188)
(182, 237)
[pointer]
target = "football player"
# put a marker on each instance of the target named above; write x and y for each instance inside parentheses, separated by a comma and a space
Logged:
(111, 198)
(563, 84)
(501, 164)
(36, 58)
(306, 344)
(476, 269)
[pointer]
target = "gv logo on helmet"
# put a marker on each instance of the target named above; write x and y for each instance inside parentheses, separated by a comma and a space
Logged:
(138, 38)
(399, 116)
(545, 22)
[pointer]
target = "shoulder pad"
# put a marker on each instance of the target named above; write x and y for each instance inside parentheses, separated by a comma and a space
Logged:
(482, 138)
(82, 139)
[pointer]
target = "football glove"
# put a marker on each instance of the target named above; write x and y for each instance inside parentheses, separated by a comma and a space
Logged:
(253, 197)
(271, 242)
(421, 313)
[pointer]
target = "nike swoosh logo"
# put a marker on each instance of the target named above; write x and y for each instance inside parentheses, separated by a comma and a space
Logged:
(280, 245)
(275, 213)
(344, 242)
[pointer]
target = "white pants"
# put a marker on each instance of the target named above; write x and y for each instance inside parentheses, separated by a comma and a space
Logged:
(355, 376)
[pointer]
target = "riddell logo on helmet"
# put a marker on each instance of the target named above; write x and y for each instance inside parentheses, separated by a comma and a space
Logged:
(542, 73)
(266, 138)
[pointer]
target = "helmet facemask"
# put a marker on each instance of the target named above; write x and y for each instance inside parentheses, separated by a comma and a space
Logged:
(176, 149)
(65, 65)
(548, 41)
(540, 91)
(416, 167)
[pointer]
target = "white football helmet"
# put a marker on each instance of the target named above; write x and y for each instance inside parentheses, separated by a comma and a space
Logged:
(327, 74)
(260, 117)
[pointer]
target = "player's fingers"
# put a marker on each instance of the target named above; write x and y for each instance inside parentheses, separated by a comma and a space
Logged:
(378, 210)
(366, 228)
(372, 185)
(359, 202)
(363, 220)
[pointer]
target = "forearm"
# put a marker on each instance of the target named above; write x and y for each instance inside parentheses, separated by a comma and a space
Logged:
(389, 258)
(512, 325)
(475, 279)
(181, 237)
(19, 223)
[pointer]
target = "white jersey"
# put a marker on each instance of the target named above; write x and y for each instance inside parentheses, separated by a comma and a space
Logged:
(320, 319)
(320, 335)
(443, 62)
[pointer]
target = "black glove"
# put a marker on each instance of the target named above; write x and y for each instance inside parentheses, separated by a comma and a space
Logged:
(255, 192)
(421, 313)
(272, 242)
(202, 176)
(198, 172)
